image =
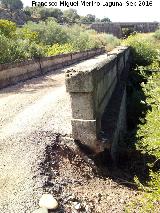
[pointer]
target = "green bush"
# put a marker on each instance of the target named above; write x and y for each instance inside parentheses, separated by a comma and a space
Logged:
(10, 50)
(149, 133)
(7, 28)
(27, 34)
(49, 32)
(59, 49)
(145, 105)
(79, 37)
(144, 51)
(148, 142)
(157, 34)
(83, 38)
(17, 50)
(108, 40)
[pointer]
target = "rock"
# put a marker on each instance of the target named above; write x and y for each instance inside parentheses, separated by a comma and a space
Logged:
(48, 201)
(41, 210)
(77, 206)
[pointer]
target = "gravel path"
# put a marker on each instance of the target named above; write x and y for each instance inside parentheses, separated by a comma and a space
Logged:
(30, 114)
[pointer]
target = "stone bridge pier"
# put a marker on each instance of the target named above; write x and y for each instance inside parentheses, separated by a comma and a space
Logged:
(97, 89)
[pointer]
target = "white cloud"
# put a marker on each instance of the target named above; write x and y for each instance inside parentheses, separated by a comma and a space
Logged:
(117, 14)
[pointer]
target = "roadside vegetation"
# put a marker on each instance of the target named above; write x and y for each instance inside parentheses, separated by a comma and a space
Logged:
(144, 119)
(48, 38)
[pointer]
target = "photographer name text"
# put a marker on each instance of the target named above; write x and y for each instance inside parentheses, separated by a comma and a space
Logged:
(85, 3)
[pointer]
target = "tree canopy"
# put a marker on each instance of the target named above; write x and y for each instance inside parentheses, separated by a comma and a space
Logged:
(12, 4)
(69, 16)
(105, 19)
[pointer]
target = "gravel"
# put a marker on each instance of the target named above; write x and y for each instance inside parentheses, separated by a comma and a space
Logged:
(30, 115)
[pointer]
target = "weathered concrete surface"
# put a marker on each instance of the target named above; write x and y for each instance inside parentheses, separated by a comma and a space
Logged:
(15, 72)
(115, 28)
(91, 85)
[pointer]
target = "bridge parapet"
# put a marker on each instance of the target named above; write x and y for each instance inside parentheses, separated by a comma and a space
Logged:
(12, 73)
(92, 85)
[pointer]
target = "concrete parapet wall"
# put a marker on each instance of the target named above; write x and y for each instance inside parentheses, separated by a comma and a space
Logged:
(15, 72)
(91, 85)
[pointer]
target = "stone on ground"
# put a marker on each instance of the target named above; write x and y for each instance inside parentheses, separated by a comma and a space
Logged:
(48, 201)
(41, 210)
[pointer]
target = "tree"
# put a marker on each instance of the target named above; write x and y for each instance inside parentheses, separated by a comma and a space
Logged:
(51, 12)
(44, 13)
(105, 19)
(70, 16)
(88, 19)
(12, 4)
(57, 14)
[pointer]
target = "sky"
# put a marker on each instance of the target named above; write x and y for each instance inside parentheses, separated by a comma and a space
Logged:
(134, 12)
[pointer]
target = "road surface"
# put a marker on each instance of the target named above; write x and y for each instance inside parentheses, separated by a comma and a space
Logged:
(31, 113)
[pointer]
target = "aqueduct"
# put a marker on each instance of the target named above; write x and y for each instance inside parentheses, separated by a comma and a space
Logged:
(116, 28)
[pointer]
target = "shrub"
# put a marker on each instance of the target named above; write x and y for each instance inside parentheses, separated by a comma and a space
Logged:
(36, 50)
(49, 32)
(59, 49)
(27, 34)
(10, 50)
(82, 38)
(17, 50)
(148, 142)
(157, 34)
(149, 133)
(7, 28)
(144, 52)
(108, 40)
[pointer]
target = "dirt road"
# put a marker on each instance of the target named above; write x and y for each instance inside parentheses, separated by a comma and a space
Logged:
(28, 112)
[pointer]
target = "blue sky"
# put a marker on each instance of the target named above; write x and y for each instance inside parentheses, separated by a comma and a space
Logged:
(124, 13)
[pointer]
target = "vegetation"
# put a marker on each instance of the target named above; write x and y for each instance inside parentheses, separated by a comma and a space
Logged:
(69, 16)
(12, 4)
(157, 34)
(144, 118)
(48, 38)
(144, 52)
(7, 28)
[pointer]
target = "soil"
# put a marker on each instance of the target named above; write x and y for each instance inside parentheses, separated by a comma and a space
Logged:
(82, 184)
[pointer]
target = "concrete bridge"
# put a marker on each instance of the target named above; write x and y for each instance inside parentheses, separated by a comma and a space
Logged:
(92, 111)
(117, 28)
